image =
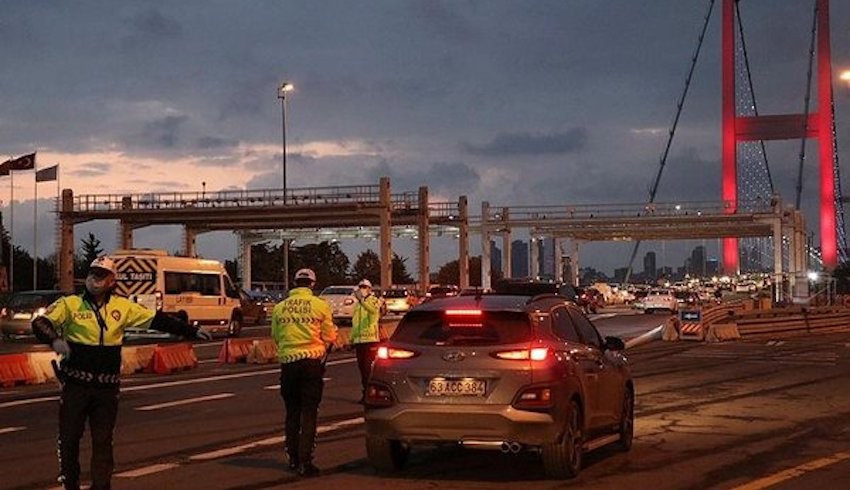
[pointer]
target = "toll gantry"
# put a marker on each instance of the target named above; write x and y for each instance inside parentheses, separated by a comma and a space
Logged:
(322, 213)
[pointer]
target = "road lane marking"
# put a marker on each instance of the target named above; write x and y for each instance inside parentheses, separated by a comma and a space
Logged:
(187, 401)
(152, 386)
(271, 441)
(8, 430)
(147, 470)
(794, 472)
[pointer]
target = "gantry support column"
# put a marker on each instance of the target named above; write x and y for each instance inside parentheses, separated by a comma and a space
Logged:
(190, 239)
(485, 245)
(66, 243)
(574, 261)
(245, 261)
(386, 237)
(125, 228)
(424, 241)
(506, 246)
(463, 243)
(559, 259)
(777, 260)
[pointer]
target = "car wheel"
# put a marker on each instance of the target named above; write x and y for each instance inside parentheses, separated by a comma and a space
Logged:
(386, 455)
(234, 328)
(563, 459)
(627, 421)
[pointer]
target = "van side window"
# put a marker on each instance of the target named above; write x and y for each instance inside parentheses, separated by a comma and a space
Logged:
(190, 282)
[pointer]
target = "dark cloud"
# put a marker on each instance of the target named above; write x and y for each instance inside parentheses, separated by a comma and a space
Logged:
(164, 132)
(214, 143)
(93, 169)
(513, 144)
(150, 26)
(452, 177)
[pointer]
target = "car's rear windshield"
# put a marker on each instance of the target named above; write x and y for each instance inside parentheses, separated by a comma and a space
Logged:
(32, 300)
(440, 328)
(395, 293)
(338, 290)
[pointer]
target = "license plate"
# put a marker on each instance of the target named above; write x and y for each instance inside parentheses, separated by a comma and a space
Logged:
(456, 387)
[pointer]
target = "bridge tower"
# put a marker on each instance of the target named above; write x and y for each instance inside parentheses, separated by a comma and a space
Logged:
(817, 124)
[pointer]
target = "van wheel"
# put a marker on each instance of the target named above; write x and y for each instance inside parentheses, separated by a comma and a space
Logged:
(234, 328)
(386, 455)
(562, 459)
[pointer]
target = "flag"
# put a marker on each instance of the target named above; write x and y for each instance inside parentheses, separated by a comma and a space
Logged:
(46, 174)
(4, 168)
(26, 162)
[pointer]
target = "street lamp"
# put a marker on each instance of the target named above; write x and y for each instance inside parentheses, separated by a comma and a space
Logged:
(281, 94)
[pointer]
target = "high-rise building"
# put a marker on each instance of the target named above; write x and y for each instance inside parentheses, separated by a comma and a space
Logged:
(546, 257)
(698, 262)
(519, 258)
(649, 268)
(495, 256)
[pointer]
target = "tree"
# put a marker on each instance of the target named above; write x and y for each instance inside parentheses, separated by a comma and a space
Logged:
(367, 266)
(400, 274)
(449, 273)
(327, 259)
(90, 251)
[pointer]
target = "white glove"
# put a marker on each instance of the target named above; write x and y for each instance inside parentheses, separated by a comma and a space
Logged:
(203, 334)
(60, 346)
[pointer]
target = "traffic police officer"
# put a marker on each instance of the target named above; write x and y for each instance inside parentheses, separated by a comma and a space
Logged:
(303, 330)
(88, 330)
(365, 333)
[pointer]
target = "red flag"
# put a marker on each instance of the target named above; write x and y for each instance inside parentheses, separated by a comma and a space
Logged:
(46, 174)
(26, 162)
(4, 168)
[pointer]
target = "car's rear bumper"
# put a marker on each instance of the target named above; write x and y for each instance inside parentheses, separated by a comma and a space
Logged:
(456, 423)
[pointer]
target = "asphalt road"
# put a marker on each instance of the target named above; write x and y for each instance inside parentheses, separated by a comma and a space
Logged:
(745, 416)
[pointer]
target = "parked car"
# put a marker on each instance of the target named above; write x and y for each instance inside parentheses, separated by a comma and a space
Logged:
(687, 299)
(398, 300)
(444, 291)
(660, 299)
(254, 307)
(20, 308)
(341, 299)
(510, 373)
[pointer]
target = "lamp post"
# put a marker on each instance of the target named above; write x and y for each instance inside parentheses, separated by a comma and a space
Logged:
(281, 94)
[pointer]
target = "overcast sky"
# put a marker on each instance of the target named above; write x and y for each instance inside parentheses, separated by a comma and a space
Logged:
(512, 102)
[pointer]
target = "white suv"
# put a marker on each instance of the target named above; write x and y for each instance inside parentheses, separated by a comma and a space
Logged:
(341, 299)
(660, 299)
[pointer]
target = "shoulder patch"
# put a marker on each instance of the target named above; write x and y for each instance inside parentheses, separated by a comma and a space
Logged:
(116, 315)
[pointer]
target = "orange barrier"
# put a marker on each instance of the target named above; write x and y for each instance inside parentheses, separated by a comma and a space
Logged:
(40, 362)
(136, 358)
(14, 369)
(235, 350)
(263, 351)
(168, 358)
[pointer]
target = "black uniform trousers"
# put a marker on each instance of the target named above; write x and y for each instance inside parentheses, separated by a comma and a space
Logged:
(98, 405)
(366, 353)
(301, 387)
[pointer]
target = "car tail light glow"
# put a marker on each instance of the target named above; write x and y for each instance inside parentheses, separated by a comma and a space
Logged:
(533, 398)
(463, 312)
(535, 354)
(385, 352)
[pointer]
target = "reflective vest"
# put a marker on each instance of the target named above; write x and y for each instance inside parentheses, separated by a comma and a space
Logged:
(302, 325)
(364, 320)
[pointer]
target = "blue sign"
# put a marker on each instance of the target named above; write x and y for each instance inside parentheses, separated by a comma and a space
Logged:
(690, 315)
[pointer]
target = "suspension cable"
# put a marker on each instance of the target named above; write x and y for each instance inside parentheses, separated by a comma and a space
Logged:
(752, 90)
(806, 108)
(679, 105)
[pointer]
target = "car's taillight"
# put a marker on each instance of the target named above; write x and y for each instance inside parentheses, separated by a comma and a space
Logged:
(535, 354)
(534, 398)
(385, 352)
(378, 395)
(158, 296)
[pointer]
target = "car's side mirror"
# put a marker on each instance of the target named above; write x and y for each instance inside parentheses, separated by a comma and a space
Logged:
(614, 344)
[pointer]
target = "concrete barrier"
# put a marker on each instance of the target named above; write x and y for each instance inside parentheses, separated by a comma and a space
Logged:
(16, 369)
(262, 351)
(720, 332)
(41, 365)
(235, 350)
(169, 358)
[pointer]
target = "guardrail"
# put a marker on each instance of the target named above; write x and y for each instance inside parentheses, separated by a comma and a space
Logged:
(793, 320)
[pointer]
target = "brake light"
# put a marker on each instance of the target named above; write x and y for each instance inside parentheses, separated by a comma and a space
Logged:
(463, 312)
(535, 354)
(378, 395)
(385, 352)
(534, 398)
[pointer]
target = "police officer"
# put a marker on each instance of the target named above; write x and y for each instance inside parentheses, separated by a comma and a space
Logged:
(88, 331)
(303, 330)
(365, 333)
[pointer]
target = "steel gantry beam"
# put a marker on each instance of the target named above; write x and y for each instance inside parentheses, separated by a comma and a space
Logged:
(342, 211)
(657, 221)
